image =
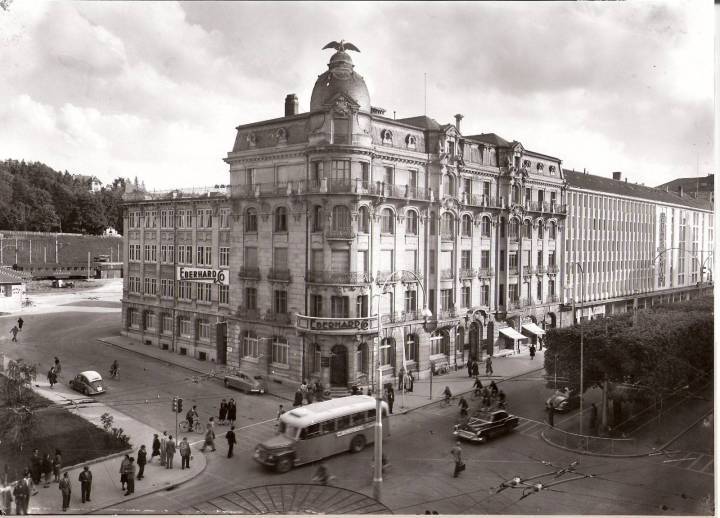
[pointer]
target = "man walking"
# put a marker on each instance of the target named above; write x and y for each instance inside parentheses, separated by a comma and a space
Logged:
(230, 436)
(130, 477)
(85, 479)
(488, 366)
(20, 323)
(231, 412)
(192, 417)
(66, 490)
(184, 448)
(22, 496)
(141, 461)
(170, 452)
(163, 449)
(457, 457)
(14, 331)
(156, 448)
(551, 415)
(390, 398)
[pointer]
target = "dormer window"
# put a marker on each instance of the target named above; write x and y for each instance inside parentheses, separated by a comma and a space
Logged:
(540, 167)
(526, 164)
(387, 137)
(411, 142)
(552, 169)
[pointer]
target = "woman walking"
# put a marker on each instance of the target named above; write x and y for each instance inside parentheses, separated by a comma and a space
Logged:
(222, 414)
(231, 412)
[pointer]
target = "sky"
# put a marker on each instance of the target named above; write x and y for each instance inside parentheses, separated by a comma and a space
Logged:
(155, 90)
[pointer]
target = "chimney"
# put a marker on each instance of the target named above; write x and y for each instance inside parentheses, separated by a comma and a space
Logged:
(291, 105)
(458, 118)
(617, 175)
(680, 191)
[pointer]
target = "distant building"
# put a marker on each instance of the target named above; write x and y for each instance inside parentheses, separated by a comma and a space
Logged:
(694, 187)
(12, 290)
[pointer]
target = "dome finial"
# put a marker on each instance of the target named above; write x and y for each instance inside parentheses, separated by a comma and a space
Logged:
(341, 46)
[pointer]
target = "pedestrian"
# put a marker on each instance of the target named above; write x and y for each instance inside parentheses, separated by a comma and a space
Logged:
(303, 389)
(192, 417)
(593, 417)
(6, 498)
(58, 367)
(470, 367)
(447, 395)
(493, 389)
(163, 449)
(222, 414)
(14, 331)
(318, 391)
(501, 400)
(20, 323)
(477, 386)
(155, 448)
(456, 452)
(184, 448)
(475, 369)
(66, 490)
(47, 468)
(298, 401)
(488, 366)
(51, 377)
(401, 378)
(322, 475)
(463, 404)
(411, 381)
(36, 463)
(551, 415)
(57, 464)
(390, 397)
(21, 492)
(210, 434)
(30, 483)
(85, 479)
(123, 471)
(130, 477)
(141, 461)
(532, 351)
(310, 394)
(486, 399)
(170, 452)
(281, 411)
(114, 369)
(230, 437)
(231, 412)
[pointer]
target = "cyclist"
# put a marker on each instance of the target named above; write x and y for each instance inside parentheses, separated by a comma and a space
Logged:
(447, 395)
(191, 416)
(114, 369)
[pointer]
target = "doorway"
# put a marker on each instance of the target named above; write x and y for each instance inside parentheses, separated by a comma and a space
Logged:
(338, 366)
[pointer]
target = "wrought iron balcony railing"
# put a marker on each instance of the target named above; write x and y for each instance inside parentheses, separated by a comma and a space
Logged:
(407, 277)
(553, 298)
(485, 272)
(527, 270)
(467, 273)
(280, 318)
(249, 272)
(541, 269)
(279, 274)
(552, 268)
(345, 233)
(248, 313)
(513, 270)
(330, 277)
(446, 314)
(447, 274)
(446, 235)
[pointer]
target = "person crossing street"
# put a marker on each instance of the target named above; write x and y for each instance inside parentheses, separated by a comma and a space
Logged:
(230, 437)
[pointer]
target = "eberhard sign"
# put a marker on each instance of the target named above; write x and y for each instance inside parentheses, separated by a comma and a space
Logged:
(203, 275)
(364, 325)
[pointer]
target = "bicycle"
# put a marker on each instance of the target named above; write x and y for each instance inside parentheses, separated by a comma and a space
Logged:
(27, 303)
(198, 427)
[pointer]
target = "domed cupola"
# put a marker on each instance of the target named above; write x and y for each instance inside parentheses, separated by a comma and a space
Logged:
(340, 80)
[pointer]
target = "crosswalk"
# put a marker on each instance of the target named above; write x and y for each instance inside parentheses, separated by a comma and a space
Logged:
(691, 461)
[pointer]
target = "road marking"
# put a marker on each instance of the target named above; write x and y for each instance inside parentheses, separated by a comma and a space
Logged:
(699, 457)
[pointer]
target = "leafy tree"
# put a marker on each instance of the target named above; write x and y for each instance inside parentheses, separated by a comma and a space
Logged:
(19, 421)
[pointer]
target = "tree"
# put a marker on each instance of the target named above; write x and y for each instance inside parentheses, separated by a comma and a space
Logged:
(19, 419)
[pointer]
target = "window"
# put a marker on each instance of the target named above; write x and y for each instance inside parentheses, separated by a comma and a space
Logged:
(446, 299)
(251, 257)
(316, 306)
(539, 291)
(466, 294)
(485, 259)
(363, 220)
(528, 194)
(513, 262)
(224, 256)
(502, 227)
(361, 306)
(552, 230)
(388, 175)
(361, 358)
(150, 286)
(225, 217)
(447, 225)
(515, 194)
(551, 258)
(387, 223)
(317, 172)
(539, 259)
(204, 330)
(250, 176)
(386, 352)
(151, 219)
(134, 316)
(339, 307)
(134, 253)
(514, 229)
(411, 348)
(251, 220)
(317, 219)
(340, 170)
(485, 227)
(412, 180)
(204, 256)
(466, 226)
(551, 287)
(134, 284)
(250, 348)
(410, 301)
(280, 301)
(513, 293)
(411, 223)
(466, 259)
(541, 230)
(251, 298)
(340, 218)
(527, 229)
(167, 324)
(167, 287)
(224, 294)
(185, 327)
(280, 350)
(439, 343)
(501, 295)
(204, 218)
(184, 290)
(467, 185)
(484, 295)
(204, 292)
(486, 190)
(281, 219)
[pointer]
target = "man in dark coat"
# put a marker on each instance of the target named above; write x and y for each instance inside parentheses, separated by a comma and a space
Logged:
(131, 476)
(230, 436)
(231, 412)
(470, 367)
(475, 369)
(298, 401)
(141, 461)
(36, 466)
(85, 479)
(390, 398)
(20, 323)
(21, 492)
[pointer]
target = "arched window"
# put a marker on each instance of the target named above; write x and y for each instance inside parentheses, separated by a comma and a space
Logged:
(439, 343)
(411, 223)
(411, 142)
(541, 230)
(466, 226)
(411, 348)
(503, 225)
(363, 220)
(387, 347)
(317, 218)
(447, 225)
(515, 194)
(387, 222)
(514, 230)
(552, 230)
(281, 219)
(251, 220)
(527, 229)
(340, 217)
(361, 358)
(433, 224)
(449, 185)
(485, 227)
(387, 137)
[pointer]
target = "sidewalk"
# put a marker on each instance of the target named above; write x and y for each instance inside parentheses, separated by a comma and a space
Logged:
(106, 477)
(458, 381)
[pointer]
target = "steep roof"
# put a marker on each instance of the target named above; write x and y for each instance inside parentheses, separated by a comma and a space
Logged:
(593, 182)
(490, 138)
(699, 183)
(421, 121)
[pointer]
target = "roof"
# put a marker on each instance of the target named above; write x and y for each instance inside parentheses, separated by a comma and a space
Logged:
(92, 375)
(593, 182)
(490, 138)
(421, 121)
(699, 183)
(8, 276)
(317, 412)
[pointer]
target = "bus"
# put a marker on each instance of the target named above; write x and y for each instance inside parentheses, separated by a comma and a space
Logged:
(318, 430)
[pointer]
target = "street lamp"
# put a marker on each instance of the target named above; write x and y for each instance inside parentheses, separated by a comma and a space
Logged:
(426, 313)
(582, 343)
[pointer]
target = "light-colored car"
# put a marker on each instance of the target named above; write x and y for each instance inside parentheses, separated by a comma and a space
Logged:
(88, 382)
(245, 381)
(563, 400)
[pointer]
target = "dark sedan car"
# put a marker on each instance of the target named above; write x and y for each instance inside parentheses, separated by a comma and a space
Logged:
(88, 382)
(486, 425)
(245, 381)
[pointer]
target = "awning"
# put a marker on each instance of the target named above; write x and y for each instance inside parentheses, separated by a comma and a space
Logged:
(511, 333)
(534, 329)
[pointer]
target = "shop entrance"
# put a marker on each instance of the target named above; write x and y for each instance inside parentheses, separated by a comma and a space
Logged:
(338, 366)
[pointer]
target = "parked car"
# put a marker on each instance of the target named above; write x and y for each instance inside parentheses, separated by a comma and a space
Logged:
(88, 382)
(486, 425)
(245, 382)
(563, 400)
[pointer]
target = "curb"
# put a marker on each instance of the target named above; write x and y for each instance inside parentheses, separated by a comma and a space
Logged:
(676, 437)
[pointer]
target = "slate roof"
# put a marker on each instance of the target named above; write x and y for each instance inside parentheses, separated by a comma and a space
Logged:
(593, 182)
(490, 138)
(702, 183)
(8, 276)
(421, 121)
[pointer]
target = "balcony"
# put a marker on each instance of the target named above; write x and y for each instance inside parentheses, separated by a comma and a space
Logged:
(528, 271)
(407, 277)
(249, 272)
(527, 302)
(279, 274)
(467, 273)
(343, 234)
(357, 186)
(447, 275)
(384, 276)
(280, 318)
(480, 200)
(553, 298)
(336, 326)
(446, 235)
(552, 269)
(447, 314)
(485, 272)
(541, 270)
(513, 270)
(557, 208)
(248, 314)
(513, 304)
(330, 277)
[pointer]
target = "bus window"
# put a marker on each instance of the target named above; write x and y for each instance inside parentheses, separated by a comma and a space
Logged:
(359, 418)
(311, 431)
(328, 427)
(371, 414)
(291, 432)
(343, 422)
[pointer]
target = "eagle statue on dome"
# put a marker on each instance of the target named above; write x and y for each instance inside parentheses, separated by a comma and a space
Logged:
(341, 46)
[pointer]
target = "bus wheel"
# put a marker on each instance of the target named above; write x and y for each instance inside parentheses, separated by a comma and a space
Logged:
(284, 464)
(357, 444)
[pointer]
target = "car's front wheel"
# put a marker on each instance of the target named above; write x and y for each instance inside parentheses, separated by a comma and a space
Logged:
(357, 444)
(284, 464)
